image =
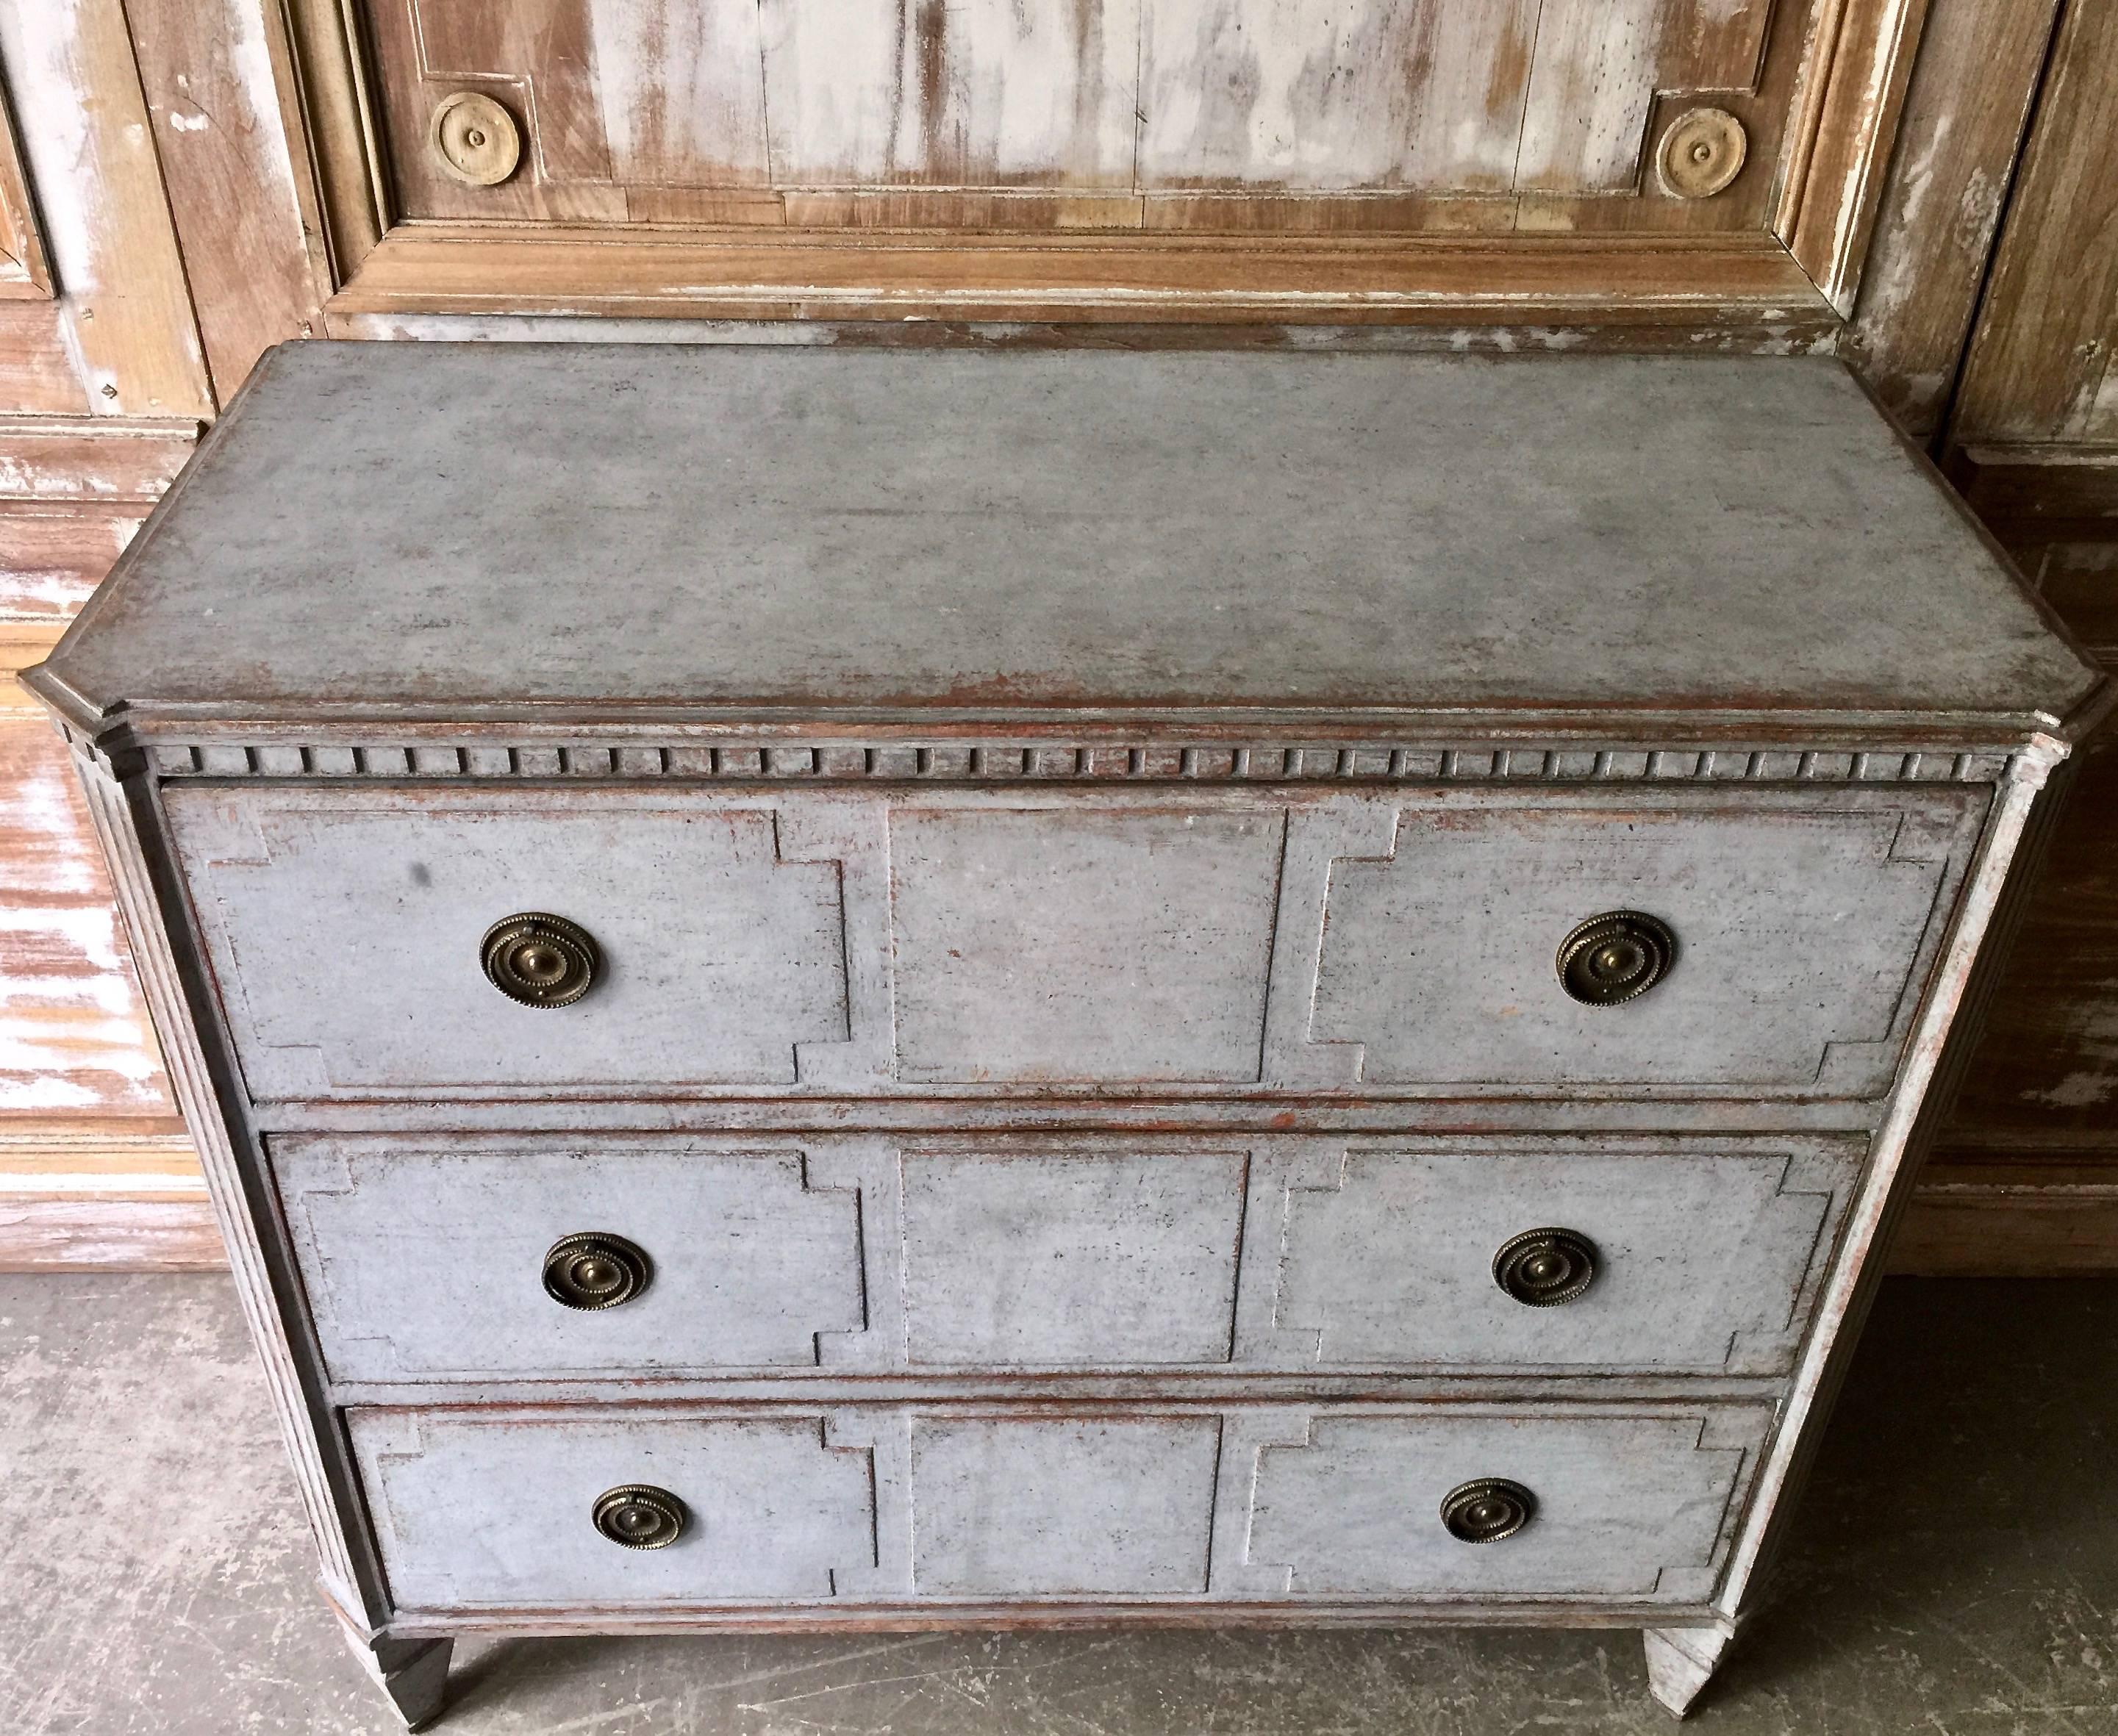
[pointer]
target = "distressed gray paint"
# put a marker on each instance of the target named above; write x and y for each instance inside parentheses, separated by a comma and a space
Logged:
(347, 938)
(1068, 1258)
(1703, 1260)
(446, 526)
(482, 1508)
(844, 1253)
(1797, 933)
(1624, 1504)
(426, 1264)
(1083, 944)
(1030, 1507)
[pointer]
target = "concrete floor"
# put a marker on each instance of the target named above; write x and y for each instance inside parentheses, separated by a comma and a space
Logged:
(1956, 1574)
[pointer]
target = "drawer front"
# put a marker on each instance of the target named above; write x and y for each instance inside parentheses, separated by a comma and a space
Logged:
(421, 1265)
(1177, 942)
(473, 1508)
(1121, 1503)
(969, 1256)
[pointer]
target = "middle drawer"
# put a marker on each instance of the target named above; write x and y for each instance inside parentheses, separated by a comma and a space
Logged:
(494, 1258)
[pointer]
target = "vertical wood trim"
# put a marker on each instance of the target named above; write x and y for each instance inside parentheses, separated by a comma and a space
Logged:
(27, 272)
(335, 132)
(127, 821)
(1835, 182)
(1915, 1112)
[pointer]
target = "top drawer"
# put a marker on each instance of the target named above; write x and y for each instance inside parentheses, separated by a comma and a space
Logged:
(1166, 941)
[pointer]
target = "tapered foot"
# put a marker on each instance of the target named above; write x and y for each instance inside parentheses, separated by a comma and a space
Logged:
(414, 1673)
(1680, 1661)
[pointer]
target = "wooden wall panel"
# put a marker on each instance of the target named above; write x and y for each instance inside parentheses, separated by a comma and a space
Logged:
(256, 276)
(84, 127)
(627, 99)
(1969, 102)
(2039, 366)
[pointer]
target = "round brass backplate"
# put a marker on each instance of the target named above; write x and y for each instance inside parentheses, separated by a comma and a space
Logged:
(1615, 957)
(1702, 150)
(595, 1270)
(640, 1515)
(539, 959)
(1545, 1268)
(1486, 1509)
(476, 140)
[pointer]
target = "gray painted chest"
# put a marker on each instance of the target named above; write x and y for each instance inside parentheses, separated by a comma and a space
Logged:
(884, 989)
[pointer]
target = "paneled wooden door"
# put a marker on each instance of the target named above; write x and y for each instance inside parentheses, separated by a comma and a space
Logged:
(1656, 161)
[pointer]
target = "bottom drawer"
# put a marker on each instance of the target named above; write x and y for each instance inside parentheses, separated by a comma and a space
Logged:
(1123, 1503)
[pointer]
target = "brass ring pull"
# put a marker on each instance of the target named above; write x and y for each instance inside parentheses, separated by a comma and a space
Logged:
(1486, 1509)
(1545, 1268)
(540, 960)
(595, 1270)
(1615, 957)
(640, 1517)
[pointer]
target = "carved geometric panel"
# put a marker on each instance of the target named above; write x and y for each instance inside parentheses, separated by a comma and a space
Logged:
(1798, 932)
(1070, 1259)
(1702, 1261)
(1019, 1506)
(428, 1264)
(346, 932)
(486, 1508)
(1626, 1505)
(1082, 945)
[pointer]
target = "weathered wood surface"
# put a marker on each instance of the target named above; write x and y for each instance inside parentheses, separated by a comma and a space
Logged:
(629, 99)
(2039, 364)
(861, 544)
(91, 162)
(1972, 87)
(255, 278)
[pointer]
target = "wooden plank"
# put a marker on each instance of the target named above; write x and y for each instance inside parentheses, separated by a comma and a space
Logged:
(2046, 1218)
(74, 1037)
(1966, 110)
(98, 186)
(2038, 367)
(89, 458)
(1415, 94)
(206, 69)
(973, 95)
(52, 555)
(2045, 1072)
(437, 268)
(38, 371)
(107, 1233)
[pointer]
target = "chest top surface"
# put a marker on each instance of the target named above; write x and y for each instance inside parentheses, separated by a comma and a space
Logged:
(470, 531)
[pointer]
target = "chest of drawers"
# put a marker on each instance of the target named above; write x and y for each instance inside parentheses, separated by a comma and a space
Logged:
(903, 990)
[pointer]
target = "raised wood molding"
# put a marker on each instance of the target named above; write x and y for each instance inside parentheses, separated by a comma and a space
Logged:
(92, 460)
(1835, 170)
(747, 273)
